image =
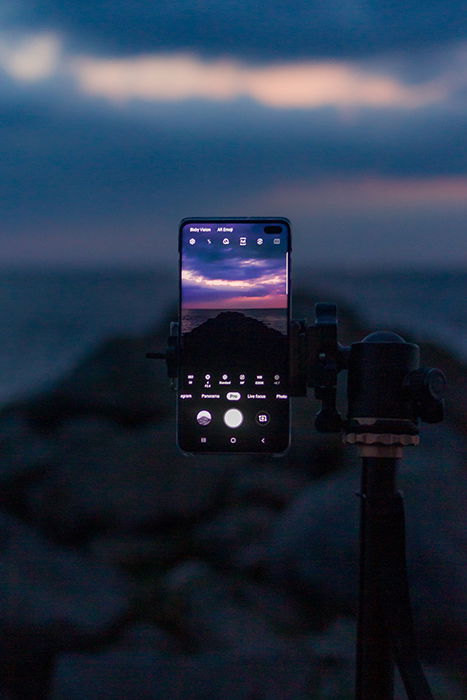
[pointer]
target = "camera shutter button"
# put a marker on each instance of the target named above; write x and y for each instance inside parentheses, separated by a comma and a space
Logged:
(233, 418)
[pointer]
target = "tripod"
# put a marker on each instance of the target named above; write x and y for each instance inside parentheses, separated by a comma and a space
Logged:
(388, 394)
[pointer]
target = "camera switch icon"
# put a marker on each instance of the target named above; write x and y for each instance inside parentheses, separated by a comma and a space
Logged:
(262, 418)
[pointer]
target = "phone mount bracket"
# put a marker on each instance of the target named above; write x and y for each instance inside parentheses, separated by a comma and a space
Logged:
(170, 355)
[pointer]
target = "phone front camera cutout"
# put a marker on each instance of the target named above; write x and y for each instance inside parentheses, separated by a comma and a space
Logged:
(273, 229)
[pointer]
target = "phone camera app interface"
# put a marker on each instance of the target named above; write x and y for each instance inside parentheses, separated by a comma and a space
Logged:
(233, 391)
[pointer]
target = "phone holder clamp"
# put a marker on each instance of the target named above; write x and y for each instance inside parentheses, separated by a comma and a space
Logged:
(170, 355)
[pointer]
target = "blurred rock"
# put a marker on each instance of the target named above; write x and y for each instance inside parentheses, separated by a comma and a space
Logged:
(51, 600)
(315, 544)
(209, 676)
(108, 478)
(283, 612)
(135, 553)
(22, 452)
(334, 650)
(116, 381)
(270, 486)
(43, 584)
(143, 636)
(212, 612)
(232, 529)
(311, 454)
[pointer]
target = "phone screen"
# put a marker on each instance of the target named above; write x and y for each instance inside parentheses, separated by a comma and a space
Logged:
(233, 393)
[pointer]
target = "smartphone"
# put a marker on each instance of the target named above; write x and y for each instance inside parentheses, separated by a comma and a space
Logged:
(233, 390)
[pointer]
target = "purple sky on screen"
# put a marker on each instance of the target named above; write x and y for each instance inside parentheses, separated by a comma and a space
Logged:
(222, 280)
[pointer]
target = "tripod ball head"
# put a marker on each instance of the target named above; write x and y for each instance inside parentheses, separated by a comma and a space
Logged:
(378, 366)
(388, 392)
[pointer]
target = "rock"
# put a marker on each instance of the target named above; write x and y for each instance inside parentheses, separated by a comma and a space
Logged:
(232, 529)
(116, 381)
(141, 636)
(210, 676)
(237, 336)
(108, 478)
(334, 650)
(135, 553)
(212, 612)
(311, 454)
(315, 542)
(44, 584)
(51, 600)
(270, 486)
(22, 452)
(286, 614)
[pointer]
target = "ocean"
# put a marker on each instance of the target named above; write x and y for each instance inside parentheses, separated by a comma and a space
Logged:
(428, 306)
(50, 319)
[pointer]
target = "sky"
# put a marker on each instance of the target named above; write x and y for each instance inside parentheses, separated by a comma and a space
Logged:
(229, 276)
(119, 119)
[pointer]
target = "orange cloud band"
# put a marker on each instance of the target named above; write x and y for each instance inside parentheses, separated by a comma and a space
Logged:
(309, 84)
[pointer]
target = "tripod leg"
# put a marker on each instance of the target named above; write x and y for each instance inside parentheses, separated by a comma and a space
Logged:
(375, 665)
(398, 607)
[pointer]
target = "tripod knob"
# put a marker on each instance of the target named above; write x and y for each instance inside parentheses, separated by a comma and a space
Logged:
(326, 359)
(426, 387)
(170, 355)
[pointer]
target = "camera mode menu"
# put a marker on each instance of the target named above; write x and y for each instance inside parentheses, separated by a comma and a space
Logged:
(234, 412)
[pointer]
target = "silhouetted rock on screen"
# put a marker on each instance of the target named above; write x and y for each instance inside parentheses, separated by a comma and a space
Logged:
(233, 339)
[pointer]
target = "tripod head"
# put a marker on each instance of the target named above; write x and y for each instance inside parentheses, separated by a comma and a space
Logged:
(388, 392)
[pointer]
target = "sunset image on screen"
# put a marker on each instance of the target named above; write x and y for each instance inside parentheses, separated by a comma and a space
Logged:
(250, 278)
(224, 279)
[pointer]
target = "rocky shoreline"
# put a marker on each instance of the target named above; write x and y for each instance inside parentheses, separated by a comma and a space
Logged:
(128, 570)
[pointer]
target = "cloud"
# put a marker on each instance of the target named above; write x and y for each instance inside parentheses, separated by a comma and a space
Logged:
(287, 85)
(371, 192)
(30, 58)
(198, 279)
(158, 78)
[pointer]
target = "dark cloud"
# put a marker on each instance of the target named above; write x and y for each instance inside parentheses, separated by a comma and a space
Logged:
(255, 30)
(112, 183)
(81, 157)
